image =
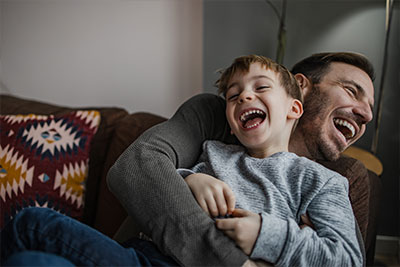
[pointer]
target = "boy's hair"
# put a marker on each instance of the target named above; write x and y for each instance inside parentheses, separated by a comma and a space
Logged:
(243, 63)
(316, 65)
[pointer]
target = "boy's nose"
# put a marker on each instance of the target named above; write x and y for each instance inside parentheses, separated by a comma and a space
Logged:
(245, 96)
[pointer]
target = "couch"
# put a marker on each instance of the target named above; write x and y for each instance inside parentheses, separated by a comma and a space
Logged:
(116, 131)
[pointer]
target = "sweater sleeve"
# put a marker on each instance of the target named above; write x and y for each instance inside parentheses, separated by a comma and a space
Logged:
(359, 188)
(333, 242)
(147, 184)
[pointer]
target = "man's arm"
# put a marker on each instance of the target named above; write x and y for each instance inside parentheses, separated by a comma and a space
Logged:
(359, 193)
(145, 180)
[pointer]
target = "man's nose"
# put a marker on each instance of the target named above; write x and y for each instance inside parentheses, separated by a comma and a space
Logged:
(246, 96)
(364, 111)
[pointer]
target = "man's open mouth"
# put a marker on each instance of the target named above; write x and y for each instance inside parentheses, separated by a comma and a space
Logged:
(252, 118)
(345, 127)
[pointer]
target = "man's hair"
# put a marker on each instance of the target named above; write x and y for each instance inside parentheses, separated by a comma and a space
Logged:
(243, 63)
(316, 66)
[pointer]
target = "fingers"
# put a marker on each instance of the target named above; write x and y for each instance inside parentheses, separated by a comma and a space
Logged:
(243, 228)
(305, 220)
(230, 200)
(212, 206)
(231, 223)
(214, 196)
(226, 224)
(216, 204)
(240, 213)
(221, 201)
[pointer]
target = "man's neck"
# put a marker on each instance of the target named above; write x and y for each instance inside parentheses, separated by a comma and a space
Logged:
(298, 146)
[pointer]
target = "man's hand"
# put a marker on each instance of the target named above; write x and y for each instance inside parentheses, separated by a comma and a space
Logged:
(214, 196)
(243, 228)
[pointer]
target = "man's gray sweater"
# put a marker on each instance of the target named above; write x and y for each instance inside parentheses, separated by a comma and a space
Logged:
(281, 188)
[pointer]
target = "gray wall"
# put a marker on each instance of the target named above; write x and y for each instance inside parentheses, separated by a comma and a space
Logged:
(239, 27)
(140, 55)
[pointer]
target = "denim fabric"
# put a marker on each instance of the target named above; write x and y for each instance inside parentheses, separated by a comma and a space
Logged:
(45, 230)
(36, 258)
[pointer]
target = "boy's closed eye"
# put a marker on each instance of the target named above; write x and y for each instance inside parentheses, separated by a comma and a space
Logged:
(232, 94)
(232, 97)
(262, 88)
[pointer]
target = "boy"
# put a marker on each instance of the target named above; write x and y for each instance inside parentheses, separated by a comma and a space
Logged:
(271, 187)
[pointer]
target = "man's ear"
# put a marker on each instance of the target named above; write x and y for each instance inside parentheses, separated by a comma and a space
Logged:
(304, 83)
(296, 110)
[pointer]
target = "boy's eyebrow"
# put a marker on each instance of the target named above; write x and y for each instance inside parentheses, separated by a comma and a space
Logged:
(231, 85)
(360, 89)
(252, 78)
(261, 76)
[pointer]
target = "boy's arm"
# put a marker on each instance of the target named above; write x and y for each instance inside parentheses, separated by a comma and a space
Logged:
(333, 242)
(145, 180)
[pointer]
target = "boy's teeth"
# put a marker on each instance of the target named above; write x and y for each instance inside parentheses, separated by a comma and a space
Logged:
(247, 113)
(251, 126)
(347, 125)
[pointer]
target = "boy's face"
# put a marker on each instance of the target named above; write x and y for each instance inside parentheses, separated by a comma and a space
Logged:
(258, 109)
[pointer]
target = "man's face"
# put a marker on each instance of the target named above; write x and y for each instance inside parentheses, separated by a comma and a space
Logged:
(336, 111)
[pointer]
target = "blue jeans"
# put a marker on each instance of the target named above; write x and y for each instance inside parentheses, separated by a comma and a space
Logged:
(37, 258)
(44, 230)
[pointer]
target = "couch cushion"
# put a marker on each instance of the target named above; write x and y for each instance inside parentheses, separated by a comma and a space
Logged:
(44, 161)
(99, 145)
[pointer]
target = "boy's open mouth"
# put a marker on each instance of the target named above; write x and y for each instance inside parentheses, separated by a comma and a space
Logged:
(252, 118)
(345, 127)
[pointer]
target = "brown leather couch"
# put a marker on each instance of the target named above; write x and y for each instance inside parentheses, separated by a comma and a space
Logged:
(117, 130)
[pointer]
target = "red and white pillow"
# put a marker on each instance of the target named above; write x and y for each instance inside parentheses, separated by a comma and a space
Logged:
(44, 161)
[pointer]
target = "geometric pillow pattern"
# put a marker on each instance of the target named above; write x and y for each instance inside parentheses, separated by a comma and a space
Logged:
(44, 161)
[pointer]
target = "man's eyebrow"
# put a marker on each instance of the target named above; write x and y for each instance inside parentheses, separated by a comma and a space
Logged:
(360, 89)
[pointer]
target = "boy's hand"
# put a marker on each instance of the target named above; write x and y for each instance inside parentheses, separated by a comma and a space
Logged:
(244, 228)
(214, 196)
(306, 222)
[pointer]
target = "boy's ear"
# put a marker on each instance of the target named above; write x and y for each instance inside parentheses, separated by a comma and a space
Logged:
(304, 83)
(296, 110)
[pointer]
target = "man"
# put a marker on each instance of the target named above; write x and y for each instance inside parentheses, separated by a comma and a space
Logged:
(338, 93)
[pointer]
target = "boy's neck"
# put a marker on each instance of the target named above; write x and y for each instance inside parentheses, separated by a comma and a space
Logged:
(266, 152)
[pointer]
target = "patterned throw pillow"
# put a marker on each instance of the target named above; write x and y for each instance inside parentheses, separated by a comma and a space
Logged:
(44, 161)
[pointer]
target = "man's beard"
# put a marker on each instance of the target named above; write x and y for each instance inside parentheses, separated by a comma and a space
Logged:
(319, 146)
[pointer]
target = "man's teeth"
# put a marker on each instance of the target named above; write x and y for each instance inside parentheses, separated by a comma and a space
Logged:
(247, 113)
(347, 125)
